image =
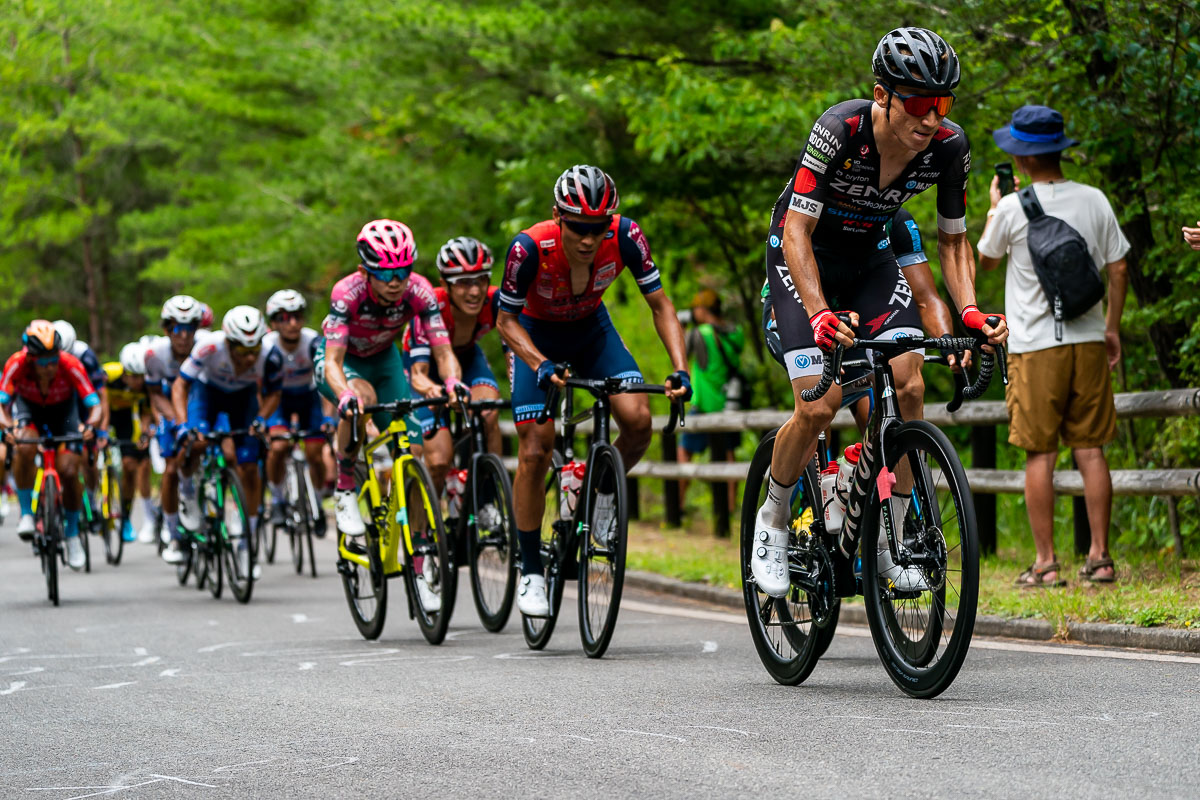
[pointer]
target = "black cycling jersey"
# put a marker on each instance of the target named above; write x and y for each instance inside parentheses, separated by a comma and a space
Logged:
(836, 181)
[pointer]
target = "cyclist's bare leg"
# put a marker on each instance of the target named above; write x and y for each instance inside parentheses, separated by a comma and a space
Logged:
(491, 417)
(314, 453)
(632, 414)
(252, 484)
(129, 475)
(277, 458)
(535, 449)
(796, 441)
(169, 489)
(24, 466)
(68, 473)
(438, 451)
(366, 394)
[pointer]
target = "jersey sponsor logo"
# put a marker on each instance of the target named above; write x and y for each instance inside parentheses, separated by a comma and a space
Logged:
(804, 361)
(821, 131)
(967, 161)
(902, 294)
(817, 153)
(547, 243)
(915, 233)
(605, 275)
(517, 254)
(945, 134)
(864, 150)
(928, 155)
(812, 163)
(847, 164)
(927, 175)
(639, 238)
(339, 306)
(880, 321)
(854, 122)
(855, 178)
(920, 187)
(805, 181)
(806, 205)
(883, 244)
(855, 190)
(774, 240)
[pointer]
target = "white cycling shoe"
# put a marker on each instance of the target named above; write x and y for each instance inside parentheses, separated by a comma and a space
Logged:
(189, 509)
(531, 596)
(903, 579)
(173, 553)
(76, 558)
(349, 518)
(431, 600)
(26, 527)
(768, 562)
(146, 533)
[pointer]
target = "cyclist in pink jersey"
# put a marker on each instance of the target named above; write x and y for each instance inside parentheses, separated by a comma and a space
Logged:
(356, 362)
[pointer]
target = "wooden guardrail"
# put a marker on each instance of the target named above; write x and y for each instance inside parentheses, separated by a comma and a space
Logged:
(982, 416)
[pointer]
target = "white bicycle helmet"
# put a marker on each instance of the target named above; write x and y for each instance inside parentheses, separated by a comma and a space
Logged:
(66, 332)
(244, 325)
(133, 359)
(285, 300)
(183, 309)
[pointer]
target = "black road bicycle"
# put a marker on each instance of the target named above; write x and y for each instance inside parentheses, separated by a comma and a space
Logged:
(921, 635)
(302, 505)
(591, 538)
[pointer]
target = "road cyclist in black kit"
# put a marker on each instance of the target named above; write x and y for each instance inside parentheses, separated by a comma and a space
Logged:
(829, 248)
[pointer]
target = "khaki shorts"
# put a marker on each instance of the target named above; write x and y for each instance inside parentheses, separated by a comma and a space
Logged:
(1065, 391)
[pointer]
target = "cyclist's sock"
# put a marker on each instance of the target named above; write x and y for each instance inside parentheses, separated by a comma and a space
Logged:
(126, 509)
(187, 486)
(72, 526)
(777, 510)
(253, 524)
(278, 492)
(25, 498)
(531, 552)
(345, 476)
(172, 523)
(148, 507)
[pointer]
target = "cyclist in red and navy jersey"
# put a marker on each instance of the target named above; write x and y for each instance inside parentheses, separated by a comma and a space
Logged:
(468, 304)
(551, 312)
(46, 388)
(828, 248)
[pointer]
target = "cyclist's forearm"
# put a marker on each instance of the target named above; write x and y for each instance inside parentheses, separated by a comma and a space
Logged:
(421, 382)
(802, 263)
(105, 411)
(448, 367)
(666, 322)
(270, 404)
(179, 399)
(161, 405)
(936, 318)
(96, 415)
(958, 267)
(518, 339)
(335, 374)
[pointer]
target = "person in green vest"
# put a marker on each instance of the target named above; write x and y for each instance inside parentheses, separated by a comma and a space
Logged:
(714, 348)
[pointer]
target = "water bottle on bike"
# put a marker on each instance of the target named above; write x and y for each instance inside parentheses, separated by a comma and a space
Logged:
(571, 481)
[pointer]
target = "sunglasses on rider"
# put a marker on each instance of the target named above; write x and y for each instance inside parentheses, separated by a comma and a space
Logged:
(181, 327)
(46, 361)
(389, 275)
(920, 104)
(244, 350)
(470, 280)
(588, 228)
(287, 316)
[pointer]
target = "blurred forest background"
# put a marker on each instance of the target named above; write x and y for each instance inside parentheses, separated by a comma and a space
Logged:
(227, 149)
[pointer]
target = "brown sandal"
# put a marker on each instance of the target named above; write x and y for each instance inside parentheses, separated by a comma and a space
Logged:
(1035, 577)
(1090, 567)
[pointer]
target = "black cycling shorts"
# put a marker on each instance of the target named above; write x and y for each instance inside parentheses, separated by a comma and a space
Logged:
(121, 420)
(879, 294)
(60, 419)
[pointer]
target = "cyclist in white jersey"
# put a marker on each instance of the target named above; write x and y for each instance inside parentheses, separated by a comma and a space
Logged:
(181, 317)
(292, 346)
(223, 375)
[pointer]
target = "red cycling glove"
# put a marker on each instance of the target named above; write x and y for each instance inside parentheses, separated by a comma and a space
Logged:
(975, 319)
(825, 326)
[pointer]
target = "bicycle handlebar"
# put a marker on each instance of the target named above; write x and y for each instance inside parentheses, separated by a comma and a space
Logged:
(608, 387)
(67, 438)
(397, 407)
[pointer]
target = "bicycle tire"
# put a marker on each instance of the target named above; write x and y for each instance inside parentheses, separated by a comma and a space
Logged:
(538, 630)
(241, 581)
(114, 541)
(214, 574)
(184, 568)
(425, 524)
(159, 544)
(86, 530)
(491, 552)
(913, 662)
(788, 641)
(602, 568)
(51, 514)
(368, 619)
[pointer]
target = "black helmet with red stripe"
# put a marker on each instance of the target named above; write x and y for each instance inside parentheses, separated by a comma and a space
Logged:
(587, 191)
(463, 255)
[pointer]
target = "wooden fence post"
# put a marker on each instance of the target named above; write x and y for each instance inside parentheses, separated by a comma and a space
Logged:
(631, 495)
(720, 490)
(671, 509)
(1083, 530)
(983, 456)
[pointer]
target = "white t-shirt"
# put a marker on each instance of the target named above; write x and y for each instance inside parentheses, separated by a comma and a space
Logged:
(1030, 317)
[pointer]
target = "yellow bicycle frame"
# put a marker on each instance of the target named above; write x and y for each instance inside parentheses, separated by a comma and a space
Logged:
(391, 520)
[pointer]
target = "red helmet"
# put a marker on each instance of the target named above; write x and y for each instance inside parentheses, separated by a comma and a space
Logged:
(206, 316)
(463, 256)
(386, 244)
(586, 190)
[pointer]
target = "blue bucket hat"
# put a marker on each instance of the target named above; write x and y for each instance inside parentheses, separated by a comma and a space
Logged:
(1033, 130)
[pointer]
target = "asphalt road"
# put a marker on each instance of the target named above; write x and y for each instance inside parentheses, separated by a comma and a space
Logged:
(138, 688)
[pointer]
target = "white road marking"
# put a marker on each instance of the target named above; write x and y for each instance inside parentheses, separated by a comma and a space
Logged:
(140, 651)
(532, 654)
(307, 665)
(977, 727)
(30, 671)
(648, 733)
(13, 686)
(575, 736)
(369, 660)
(214, 647)
(298, 618)
(908, 730)
(115, 685)
(243, 764)
(709, 647)
(182, 780)
(726, 730)
(168, 673)
(980, 644)
(147, 661)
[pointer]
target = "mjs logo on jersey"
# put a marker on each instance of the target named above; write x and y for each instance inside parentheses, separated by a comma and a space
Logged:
(774, 240)
(805, 361)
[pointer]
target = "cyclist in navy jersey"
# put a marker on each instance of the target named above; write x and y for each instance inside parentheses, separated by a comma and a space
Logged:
(829, 244)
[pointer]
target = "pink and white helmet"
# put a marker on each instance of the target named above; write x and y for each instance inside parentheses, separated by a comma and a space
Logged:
(386, 244)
